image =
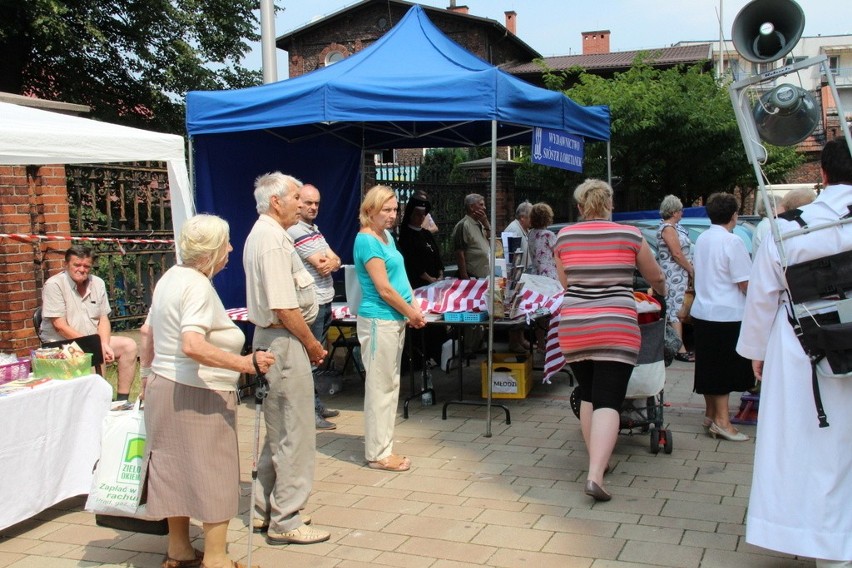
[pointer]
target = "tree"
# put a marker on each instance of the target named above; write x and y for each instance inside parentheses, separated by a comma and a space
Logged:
(673, 131)
(131, 61)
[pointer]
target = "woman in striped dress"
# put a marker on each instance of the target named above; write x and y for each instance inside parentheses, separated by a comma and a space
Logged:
(598, 329)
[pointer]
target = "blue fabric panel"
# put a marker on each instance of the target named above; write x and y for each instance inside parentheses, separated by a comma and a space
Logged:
(226, 167)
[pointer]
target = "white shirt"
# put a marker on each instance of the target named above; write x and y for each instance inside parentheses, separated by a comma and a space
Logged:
(721, 261)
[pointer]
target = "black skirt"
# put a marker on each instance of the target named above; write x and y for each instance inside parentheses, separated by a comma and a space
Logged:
(719, 369)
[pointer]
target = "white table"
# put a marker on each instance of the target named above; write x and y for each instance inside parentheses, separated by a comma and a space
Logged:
(50, 439)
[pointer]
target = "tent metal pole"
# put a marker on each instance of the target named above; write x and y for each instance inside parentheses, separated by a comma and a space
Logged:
(267, 41)
(491, 276)
(609, 163)
(191, 168)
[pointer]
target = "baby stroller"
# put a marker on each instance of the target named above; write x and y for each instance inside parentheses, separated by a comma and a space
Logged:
(643, 405)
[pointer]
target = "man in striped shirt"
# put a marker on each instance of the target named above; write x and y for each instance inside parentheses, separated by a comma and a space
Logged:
(320, 261)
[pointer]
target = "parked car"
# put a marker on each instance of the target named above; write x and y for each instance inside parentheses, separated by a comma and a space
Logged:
(694, 225)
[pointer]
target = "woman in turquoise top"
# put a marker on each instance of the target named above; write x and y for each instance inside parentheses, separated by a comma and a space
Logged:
(386, 305)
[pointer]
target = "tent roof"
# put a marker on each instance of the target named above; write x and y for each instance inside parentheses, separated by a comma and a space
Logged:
(414, 87)
(33, 136)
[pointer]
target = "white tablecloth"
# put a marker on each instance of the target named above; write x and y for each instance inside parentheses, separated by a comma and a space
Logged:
(50, 439)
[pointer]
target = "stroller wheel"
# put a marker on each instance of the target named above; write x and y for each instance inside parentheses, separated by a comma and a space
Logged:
(575, 401)
(655, 441)
(668, 447)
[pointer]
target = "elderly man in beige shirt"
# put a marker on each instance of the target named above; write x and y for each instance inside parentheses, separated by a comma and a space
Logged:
(282, 305)
(74, 304)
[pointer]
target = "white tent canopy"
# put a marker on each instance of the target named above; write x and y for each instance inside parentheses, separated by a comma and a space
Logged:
(31, 136)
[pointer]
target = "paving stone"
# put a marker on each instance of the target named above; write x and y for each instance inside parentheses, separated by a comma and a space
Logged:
(646, 533)
(661, 554)
(707, 512)
(513, 537)
(441, 549)
(444, 529)
(510, 558)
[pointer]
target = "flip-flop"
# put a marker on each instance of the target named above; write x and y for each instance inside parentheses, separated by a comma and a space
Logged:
(391, 463)
(172, 563)
(686, 357)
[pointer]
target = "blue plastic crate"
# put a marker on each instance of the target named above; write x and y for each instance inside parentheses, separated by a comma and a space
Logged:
(454, 316)
(474, 316)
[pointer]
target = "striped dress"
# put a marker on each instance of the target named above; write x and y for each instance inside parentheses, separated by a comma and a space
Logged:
(598, 315)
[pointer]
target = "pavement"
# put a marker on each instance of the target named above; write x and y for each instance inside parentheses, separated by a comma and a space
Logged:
(512, 497)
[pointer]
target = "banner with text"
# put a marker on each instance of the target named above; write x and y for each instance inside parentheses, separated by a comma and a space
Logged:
(558, 149)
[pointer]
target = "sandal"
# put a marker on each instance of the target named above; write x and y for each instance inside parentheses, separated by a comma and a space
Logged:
(391, 463)
(172, 563)
(686, 357)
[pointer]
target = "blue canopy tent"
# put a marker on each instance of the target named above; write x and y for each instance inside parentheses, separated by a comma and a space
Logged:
(414, 88)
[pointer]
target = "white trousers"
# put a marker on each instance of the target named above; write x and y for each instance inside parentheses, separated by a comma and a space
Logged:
(382, 342)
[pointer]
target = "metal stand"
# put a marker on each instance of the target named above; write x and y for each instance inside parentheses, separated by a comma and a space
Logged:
(488, 403)
(426, 393)
(261, 390)
(755, 150)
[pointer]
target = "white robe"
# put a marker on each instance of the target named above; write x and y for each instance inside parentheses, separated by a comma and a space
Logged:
(802, 484)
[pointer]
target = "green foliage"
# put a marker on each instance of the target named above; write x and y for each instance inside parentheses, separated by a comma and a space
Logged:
(440, 164)
(673, 131)
(132, 61)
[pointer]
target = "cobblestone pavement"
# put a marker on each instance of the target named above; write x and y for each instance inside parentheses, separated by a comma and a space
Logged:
(511, 499)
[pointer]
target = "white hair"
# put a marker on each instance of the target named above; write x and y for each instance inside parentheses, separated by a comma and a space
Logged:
(202, 238)
(272, 184)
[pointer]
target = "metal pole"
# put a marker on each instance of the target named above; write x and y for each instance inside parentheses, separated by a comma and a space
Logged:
(491, 279)
(267, 41)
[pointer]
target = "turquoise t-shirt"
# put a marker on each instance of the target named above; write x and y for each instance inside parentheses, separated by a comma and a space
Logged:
(368, 247)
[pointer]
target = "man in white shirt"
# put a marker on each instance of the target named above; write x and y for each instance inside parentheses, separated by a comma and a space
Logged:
(320, 261)
(74, 304)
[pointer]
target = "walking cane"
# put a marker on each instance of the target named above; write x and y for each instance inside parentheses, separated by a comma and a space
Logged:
(261, 389)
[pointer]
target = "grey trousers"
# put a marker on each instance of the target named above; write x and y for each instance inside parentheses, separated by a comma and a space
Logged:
(285, 469)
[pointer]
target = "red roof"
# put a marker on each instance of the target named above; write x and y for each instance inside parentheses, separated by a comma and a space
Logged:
(660, 56)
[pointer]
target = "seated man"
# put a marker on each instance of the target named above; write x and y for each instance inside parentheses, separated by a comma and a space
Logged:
(75, 304)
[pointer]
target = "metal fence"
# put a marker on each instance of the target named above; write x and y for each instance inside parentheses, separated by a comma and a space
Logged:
(116, 204)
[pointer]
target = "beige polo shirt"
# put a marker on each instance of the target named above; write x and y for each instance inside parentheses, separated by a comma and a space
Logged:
(59, 298)
(276, 279)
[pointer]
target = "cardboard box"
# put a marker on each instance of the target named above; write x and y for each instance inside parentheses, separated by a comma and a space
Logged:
(511, 375)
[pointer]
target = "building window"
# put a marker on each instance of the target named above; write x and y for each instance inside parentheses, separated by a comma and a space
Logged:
(761, 68)
(833, 64)
(333, 57)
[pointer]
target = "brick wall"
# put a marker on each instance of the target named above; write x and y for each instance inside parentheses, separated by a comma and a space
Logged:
(595, 42)
(33, 200)
(360, 27)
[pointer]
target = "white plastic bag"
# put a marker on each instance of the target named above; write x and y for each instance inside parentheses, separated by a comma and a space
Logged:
(117, 483)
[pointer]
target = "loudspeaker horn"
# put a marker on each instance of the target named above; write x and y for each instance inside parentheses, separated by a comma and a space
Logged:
(786, 115)
(767, 30)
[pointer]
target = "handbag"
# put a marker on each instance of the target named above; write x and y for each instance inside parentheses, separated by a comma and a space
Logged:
(684, 314)
(117, 481)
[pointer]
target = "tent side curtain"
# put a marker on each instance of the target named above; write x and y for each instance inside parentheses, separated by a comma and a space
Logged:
(228, 165)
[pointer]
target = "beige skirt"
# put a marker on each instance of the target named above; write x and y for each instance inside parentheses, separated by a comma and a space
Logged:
(192, 466)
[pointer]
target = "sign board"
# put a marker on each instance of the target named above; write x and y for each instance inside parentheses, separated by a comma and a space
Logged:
(558, 149)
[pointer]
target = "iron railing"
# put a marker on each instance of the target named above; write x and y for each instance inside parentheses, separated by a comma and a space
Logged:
(119, 204)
